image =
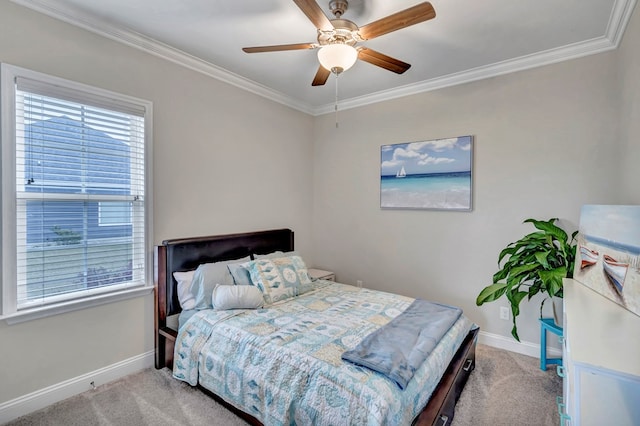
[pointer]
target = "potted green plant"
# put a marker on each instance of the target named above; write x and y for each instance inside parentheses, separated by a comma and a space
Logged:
(535, 263)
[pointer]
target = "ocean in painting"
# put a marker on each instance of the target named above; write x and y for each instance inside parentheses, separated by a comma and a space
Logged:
(427, 191)
(610, 264)
(628, 248)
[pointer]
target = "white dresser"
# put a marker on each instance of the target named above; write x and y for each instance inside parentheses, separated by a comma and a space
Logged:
(601, 361)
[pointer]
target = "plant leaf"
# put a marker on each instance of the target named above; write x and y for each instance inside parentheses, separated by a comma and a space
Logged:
(549, 228)
(506, 251)
(501, 274)
(491, 293)
(541, 257)
(535, 289)
(552, 279)
(514, 331)
(515, 298)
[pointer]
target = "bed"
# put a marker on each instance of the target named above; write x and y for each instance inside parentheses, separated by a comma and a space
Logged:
(429, 398)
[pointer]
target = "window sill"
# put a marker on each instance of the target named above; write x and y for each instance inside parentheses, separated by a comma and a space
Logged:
(75, 305)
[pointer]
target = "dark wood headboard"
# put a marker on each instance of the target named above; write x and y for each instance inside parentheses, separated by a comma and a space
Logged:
(184, 254)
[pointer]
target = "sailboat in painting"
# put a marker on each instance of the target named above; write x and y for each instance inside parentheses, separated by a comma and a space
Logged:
(615, 271)
(588, 257)
(613, 231)
(401, 173)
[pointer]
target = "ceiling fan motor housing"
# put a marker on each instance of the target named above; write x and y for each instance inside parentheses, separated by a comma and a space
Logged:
(344, 32)
(338, 7)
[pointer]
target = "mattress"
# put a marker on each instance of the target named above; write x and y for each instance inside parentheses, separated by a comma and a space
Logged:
(282, 364)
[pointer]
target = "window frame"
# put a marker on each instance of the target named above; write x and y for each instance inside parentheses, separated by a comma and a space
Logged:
(101, 216)
(8, 196)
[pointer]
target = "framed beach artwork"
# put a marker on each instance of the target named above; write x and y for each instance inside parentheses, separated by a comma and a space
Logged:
(608, 254)
(433, 174)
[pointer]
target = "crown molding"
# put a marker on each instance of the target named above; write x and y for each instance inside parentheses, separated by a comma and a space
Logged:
(522, 63)
(130, 38)
(620, 15)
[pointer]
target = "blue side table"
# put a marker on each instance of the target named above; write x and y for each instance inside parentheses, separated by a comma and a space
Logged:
(548, 324)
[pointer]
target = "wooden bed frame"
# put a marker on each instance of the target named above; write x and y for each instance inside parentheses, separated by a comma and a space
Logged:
(187, 253)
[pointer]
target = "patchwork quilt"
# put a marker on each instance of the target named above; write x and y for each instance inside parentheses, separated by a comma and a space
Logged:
(282, 363)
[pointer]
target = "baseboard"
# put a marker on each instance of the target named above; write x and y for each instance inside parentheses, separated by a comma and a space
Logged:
(44, 397)
(50, 395)
(510, 344)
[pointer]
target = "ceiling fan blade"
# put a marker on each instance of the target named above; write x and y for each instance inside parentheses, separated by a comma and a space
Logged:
(280, 47)
(414, 15)
(321, 76)
(383, 61)
(315, 14)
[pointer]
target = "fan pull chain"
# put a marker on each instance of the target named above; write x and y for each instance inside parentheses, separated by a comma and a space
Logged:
(336, 100)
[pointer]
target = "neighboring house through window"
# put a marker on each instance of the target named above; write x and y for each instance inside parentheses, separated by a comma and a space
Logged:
(114, 214)
(75, 202)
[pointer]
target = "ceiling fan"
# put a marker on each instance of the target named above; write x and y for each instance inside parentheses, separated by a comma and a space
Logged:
(337, 38)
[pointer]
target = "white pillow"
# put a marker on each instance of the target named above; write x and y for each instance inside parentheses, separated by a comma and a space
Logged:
(206, 277)
(185, 297)
(236, 297)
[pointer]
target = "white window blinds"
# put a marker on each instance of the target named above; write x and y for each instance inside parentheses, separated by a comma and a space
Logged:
(79, 193)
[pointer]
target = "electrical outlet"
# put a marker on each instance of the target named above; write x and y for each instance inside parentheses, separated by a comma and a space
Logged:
(504, 313)
(359, 283)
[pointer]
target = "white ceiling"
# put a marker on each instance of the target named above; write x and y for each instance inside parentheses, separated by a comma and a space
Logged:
(467, 40)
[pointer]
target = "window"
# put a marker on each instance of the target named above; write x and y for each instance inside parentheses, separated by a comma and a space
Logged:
(114, 213)
(74, 192)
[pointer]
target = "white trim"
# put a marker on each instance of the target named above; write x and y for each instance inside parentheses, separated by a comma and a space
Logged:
(156, 48)
(50, 395)
(510, 344)
(74, 305)
(620, 15)
(10, 76)
(9, 293)
(548, 57)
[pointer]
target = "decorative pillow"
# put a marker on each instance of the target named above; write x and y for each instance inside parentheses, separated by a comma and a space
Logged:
(307, 287)
(275, 254)
(236, 297)
(205, 279)
(239, 273)
(278, 278)
(185, 297)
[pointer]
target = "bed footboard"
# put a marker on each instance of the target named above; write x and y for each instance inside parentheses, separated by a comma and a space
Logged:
(440, 409)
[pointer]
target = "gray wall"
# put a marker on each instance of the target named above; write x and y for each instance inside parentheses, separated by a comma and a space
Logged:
(210, 140)
(629, 57)
(546, 142)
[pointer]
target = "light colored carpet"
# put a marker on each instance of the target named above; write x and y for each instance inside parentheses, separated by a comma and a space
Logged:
(505, 389)
(508, 389)
(151, 397)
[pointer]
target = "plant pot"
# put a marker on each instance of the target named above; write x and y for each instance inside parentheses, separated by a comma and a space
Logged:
(558, 310)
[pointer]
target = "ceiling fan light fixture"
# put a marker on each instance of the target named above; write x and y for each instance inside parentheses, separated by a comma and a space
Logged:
(337, 57)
